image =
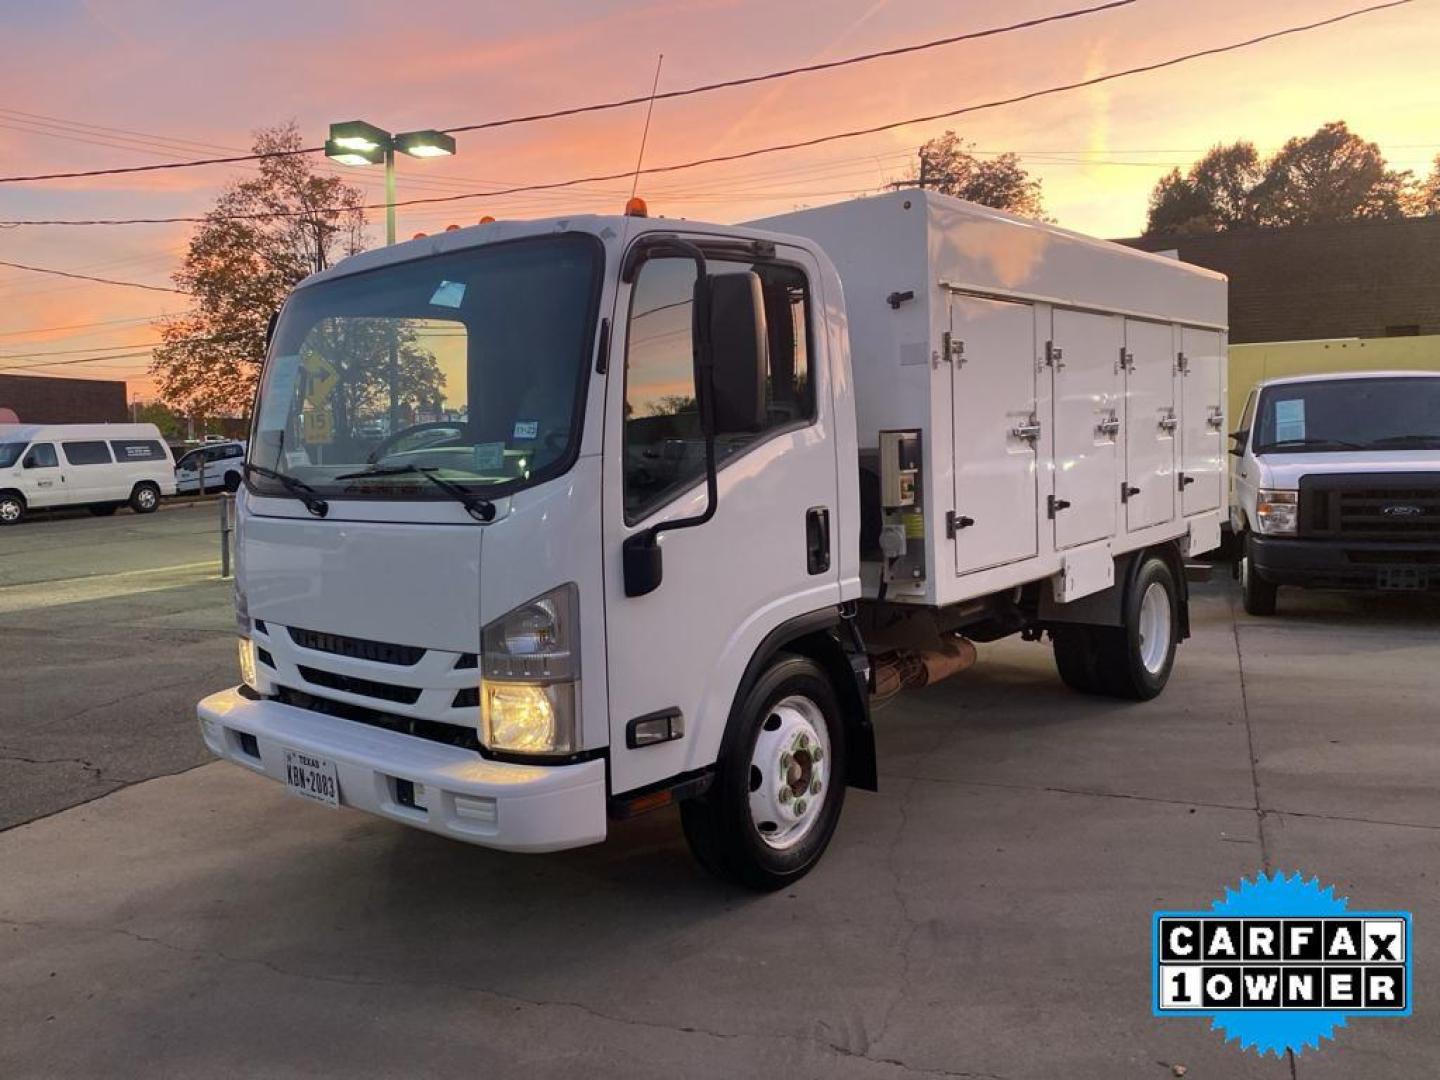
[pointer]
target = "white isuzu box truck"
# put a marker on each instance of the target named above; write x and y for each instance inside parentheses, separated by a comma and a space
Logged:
(548, 523)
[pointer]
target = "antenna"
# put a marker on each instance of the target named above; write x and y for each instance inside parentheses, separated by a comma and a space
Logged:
(644, 135)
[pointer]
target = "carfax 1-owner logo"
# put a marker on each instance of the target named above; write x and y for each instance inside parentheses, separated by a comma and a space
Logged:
(1281, 963)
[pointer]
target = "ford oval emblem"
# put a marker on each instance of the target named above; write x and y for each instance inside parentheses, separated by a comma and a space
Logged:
(1400, 510)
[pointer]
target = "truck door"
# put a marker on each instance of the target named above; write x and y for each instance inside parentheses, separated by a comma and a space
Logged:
(995, 429)
(1202, 421)
(770, 551)
(1084, 361)
(1151, 424)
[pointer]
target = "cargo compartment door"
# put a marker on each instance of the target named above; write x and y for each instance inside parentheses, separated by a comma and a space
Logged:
(1084, 360)
(1202, 421)
(995, 431)
(1151, 424)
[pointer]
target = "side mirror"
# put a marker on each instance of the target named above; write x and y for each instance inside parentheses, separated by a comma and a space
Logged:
(232, 482)
(740, 348)
(1239, 439)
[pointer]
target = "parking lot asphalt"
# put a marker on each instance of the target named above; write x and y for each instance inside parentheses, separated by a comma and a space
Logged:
(985, 914)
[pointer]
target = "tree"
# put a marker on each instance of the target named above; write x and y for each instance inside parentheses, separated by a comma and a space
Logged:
(171, 424)
(1426, 198)
(1217, 193)
(1332, 175)
(947, 166)
(262, 237)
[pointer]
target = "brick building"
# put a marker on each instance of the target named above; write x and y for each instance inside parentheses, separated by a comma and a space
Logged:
(1357, 279)
(41, 399)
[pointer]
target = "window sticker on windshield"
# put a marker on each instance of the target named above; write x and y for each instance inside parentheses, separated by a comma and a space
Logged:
(450, 294)
(280, 393)
(526, 429)
(489, 456)
(1289, 420)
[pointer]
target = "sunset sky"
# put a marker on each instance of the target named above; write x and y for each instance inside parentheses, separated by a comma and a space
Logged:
(123, 82)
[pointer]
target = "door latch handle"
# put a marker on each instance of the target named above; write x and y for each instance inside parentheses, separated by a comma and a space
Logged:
(1030, 430)
(817, 539)
(1169, 422)
(955, 522)
(1108, 426)
(1128, 490)
(1216, 419)
(1185, 481)
(1056, 505)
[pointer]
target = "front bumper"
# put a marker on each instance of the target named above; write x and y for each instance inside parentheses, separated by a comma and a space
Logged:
(511, 807)
(1336, 564)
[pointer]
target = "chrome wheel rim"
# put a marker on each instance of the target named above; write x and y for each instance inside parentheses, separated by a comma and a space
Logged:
(789, 772)
(1155, 628)
(9, 510)
(145, 497)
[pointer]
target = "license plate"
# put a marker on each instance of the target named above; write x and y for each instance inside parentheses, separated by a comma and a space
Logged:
(1399, 579)
(311, 778)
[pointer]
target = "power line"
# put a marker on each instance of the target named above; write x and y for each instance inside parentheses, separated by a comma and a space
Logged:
(87, 277)
(93, 352)
(618, 103)
(777, 148)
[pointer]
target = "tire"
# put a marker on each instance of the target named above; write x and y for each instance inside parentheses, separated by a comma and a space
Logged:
(759, 824)
(1256, 594)
(145, 499)
(12, 508)
(102, 509)
(1077, 657)
(1134, 661)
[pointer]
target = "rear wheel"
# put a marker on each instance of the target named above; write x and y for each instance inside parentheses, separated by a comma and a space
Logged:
(12, 508)
(145, 499)
(779, 784)
(1256, 594)
(1132, 661)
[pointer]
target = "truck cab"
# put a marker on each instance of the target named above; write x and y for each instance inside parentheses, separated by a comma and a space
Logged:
(1335, 484)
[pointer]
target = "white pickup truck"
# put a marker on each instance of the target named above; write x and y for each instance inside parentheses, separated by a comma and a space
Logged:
(1336, 484)
(547, 523)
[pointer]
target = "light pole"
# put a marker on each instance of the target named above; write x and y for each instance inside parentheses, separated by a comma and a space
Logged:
(354, 142)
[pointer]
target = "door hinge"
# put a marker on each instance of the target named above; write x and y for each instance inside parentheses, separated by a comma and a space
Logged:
(955, 522)
(1182, 364)
(1054, 355)
(1126, 491)
(952, 349)
(1053, 506)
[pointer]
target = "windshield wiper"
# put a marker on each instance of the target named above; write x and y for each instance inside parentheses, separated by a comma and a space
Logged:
(1401, 440)
(1309, 442)
(479, 508)
(301, 490)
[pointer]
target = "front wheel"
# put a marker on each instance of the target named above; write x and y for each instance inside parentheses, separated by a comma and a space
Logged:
(145, 499)
(779, 784)
(12, 508)
(1256, 594)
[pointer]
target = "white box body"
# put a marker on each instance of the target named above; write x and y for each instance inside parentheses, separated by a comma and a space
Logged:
(976, 328)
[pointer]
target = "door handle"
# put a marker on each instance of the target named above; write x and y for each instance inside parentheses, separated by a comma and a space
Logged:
(1169, 422)
(1030, 430)
(1109, 426)
(1216, 419)
(817, 539)
(1185, 481)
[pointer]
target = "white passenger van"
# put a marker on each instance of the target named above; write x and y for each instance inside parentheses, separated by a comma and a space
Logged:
(99, 466)
(547, 523)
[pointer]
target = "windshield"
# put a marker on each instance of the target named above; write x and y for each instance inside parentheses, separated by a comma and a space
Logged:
(1349, 414)
(468, 365)
(10, 453)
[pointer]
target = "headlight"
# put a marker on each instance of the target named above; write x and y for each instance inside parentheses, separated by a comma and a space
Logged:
(247, 663)
(1277, 511)
(529, 701)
